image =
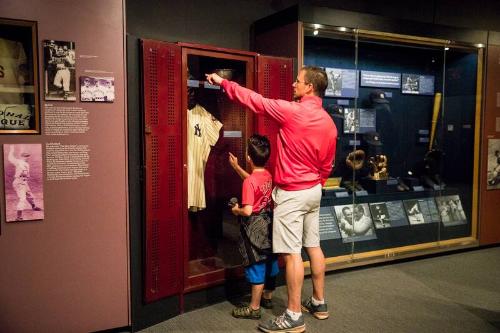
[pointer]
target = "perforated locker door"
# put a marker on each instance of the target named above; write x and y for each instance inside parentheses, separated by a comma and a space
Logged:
(274, 80)
(163, 175)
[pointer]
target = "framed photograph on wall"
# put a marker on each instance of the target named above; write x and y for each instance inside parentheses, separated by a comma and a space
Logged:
(493, 164)
(59, 61)
(97, 89)
(23, 176)
(19, 100)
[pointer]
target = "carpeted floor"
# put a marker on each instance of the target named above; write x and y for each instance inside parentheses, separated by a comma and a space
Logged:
(451, 293)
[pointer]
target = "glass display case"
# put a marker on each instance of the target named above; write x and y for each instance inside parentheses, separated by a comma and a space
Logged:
(407, 111)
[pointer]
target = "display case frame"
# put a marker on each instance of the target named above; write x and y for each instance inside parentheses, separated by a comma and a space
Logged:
(21, 47)
(300, 21)
(171, 251)
(216, 276)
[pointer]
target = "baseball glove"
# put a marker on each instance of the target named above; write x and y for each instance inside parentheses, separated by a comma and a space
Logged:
(356, 159)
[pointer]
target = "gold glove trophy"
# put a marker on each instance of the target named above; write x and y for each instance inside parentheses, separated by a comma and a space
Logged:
(378, 166)
(378, 179)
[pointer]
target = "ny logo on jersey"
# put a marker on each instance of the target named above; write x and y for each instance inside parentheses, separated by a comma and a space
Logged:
(197, 130)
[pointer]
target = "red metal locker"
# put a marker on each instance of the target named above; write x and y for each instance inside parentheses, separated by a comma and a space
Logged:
(274, 80)
(164, 170)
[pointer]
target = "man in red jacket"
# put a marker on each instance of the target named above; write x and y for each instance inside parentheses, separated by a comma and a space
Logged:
(305, 151)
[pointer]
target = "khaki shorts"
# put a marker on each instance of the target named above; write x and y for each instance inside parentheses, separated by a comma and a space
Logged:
(296, 219)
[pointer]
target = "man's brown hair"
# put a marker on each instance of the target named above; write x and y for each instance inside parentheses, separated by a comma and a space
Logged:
(317, 77)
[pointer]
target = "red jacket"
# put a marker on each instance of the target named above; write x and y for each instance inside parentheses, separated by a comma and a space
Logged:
(307, 136)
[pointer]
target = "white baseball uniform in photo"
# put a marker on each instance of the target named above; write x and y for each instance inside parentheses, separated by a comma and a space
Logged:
(14, 114)
(86, 93)
(20, 182)
(99, 94)
(110, 93)
(203, 133)
(63, 76)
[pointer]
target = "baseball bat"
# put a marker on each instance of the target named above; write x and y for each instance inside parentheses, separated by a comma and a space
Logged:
(435, 115)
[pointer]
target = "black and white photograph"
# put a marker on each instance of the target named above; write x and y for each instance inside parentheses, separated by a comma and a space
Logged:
(59, 70)
(416, 84)
(359, 120)
(380, 214)
(414, 212)
(355, 223)
(351, 120)
(19, 102)
(493, 164)
(451, 210)
(410, 84)
(97, 89)
(334, 88)
(421, 211)
(23, 175)
(388, 214)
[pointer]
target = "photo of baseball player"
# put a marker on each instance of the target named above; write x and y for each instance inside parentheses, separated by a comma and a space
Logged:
(59, 70)
(355, 223)
(351, 120)
(421, 211)
(451, 210)
(493, 164)
(411, 83)
(334, 88)
(23, 176)
(97, 89)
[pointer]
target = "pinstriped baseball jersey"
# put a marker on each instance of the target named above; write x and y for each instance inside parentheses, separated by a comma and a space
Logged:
(203, 132)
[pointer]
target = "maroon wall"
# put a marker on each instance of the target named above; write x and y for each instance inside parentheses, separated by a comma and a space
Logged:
(69, 272)
(489, 228)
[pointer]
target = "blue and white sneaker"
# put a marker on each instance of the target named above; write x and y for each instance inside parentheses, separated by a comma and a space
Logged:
(284, 323)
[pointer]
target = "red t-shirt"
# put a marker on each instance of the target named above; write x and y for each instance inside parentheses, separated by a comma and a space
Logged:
(307, 136)
(257, 191)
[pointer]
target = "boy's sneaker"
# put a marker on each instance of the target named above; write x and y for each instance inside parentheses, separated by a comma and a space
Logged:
(284, 323)
(266, 303)
(319, 311)
(246, 312)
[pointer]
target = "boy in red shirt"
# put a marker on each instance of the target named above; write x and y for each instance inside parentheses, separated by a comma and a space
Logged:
(261, 265)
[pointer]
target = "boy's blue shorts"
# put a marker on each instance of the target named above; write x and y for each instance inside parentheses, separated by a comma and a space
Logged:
(256, 273)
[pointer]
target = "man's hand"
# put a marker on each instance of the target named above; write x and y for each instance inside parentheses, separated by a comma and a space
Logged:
(233, 161)
(214, 79)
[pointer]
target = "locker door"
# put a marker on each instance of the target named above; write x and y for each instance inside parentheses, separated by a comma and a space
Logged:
(163, 273)
(274, 80)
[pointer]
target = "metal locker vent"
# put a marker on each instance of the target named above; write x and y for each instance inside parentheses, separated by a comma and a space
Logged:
(155, 255)
(267, 80)
(170, 250)
(155, 173)
(284, 90)
(172, 173)
(153, 86)
(171, 114)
